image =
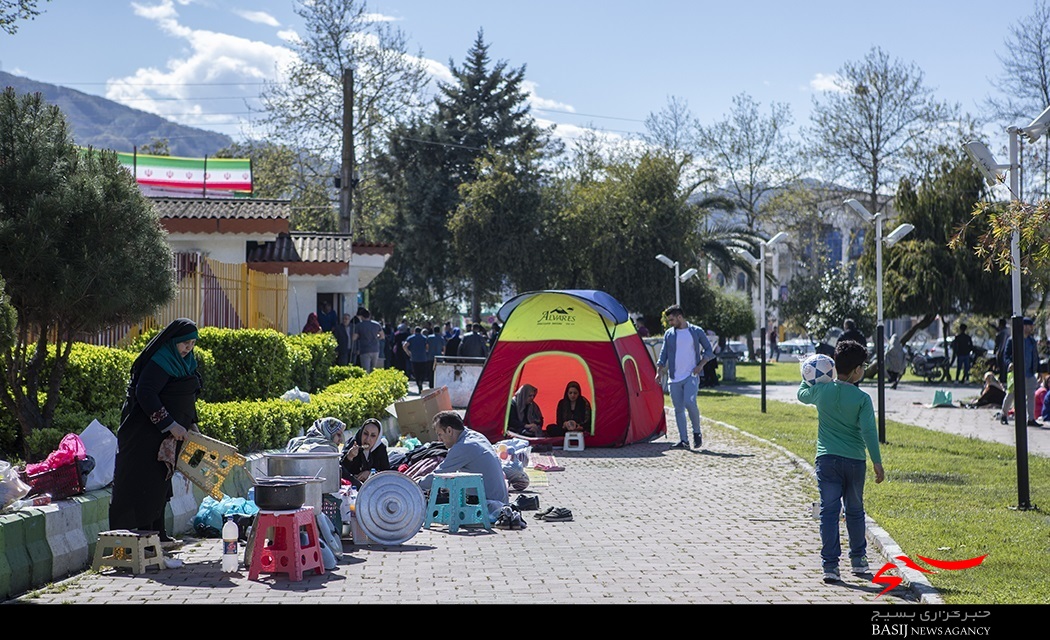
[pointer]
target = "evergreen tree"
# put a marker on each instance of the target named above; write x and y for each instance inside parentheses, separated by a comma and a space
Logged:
(82, 250)
(481, 119)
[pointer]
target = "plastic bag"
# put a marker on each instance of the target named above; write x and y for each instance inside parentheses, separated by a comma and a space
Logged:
(212, 514)
(100, 444)
(295, 394)
(11, 485)
(70, 449)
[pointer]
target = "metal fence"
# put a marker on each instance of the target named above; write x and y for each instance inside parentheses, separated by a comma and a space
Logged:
(212, 294)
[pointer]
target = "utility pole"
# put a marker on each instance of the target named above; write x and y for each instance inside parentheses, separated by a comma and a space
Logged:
(346, 177)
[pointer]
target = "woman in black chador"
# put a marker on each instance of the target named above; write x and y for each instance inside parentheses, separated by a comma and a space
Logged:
(159, 410)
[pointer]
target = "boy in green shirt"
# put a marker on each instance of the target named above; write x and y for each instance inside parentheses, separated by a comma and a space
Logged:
(845, 428)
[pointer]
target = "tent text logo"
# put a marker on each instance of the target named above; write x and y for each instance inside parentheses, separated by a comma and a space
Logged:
(557, 315)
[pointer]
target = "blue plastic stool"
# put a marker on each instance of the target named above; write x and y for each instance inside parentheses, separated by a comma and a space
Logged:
(457, 512)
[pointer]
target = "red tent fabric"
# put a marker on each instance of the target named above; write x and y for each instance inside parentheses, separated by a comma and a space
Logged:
(552, 337)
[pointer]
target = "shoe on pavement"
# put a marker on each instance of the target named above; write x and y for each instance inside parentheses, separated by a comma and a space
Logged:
(832, 575)
(698, 440)
(681, 445)
(1034, 423)
(860, 567)
(559, 514)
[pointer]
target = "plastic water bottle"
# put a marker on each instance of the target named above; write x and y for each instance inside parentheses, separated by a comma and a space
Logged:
(229, 546)
(371, 473)
(35, 501)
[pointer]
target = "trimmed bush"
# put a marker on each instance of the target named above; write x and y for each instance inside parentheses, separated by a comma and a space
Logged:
(339, 373)
(311, 356)
(258, 426)
(249, 364)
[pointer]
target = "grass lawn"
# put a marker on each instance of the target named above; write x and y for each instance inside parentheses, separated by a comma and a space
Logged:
(788, 371)
(945, 497)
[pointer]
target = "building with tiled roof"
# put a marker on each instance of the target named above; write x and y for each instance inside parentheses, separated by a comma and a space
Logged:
(320, 266)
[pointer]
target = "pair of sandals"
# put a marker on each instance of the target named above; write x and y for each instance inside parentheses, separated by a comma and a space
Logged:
(554, 514)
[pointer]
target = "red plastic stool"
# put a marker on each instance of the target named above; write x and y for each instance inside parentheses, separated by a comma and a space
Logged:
(278, 546)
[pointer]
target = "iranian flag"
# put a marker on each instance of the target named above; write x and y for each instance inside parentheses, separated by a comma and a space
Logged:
(190, 176)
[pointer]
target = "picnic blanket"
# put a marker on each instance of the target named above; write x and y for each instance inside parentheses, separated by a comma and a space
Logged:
(537, 478)
(544, 462)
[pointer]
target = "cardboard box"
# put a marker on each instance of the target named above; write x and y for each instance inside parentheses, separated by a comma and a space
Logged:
(414, 416)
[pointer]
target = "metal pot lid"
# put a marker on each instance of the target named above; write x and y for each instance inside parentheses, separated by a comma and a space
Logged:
(390, 508)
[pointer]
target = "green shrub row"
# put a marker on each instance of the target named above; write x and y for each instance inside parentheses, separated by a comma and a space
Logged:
(236, 365)
(269, 424)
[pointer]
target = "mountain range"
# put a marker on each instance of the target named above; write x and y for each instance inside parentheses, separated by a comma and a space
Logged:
(104, 124)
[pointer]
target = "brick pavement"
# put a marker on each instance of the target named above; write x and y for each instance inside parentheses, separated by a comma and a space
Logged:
(728, 524)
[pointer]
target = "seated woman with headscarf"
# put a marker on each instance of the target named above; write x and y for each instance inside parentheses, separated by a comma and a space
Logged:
(992, 394)
(525, 416)
(365, 453)
(574, 412)
(326, 434)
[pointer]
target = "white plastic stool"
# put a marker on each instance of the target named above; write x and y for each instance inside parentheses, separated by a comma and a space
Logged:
(573, 441)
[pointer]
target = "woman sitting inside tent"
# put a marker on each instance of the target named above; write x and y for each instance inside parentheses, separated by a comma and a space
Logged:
(574, 412)
(525, 416)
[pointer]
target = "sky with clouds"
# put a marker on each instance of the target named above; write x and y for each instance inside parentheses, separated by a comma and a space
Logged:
(589, 64)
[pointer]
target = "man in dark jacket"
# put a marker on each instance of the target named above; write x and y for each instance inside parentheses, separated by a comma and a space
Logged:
(474, 344)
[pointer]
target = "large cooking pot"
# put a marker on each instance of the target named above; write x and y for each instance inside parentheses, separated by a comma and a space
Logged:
(279, 494)
(314, 496)
(313, 464)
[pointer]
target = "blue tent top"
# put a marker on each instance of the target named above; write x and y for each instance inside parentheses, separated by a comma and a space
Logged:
(606, 305)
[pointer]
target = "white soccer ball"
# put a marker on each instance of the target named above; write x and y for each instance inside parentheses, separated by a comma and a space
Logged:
(818, 369)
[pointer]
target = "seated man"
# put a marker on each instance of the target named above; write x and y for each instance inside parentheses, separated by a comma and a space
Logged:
(469, 452)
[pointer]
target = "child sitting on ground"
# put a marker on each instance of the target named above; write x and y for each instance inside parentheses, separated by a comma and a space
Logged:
(845, 427)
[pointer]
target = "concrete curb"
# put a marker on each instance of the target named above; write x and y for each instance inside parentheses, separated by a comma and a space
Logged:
(879, 537)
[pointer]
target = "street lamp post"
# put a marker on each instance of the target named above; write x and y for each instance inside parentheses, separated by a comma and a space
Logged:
(989, 168)
(880, 328)
(678, 278)
(780, 237)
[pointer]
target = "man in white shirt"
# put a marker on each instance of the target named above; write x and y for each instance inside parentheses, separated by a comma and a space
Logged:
(685, 351)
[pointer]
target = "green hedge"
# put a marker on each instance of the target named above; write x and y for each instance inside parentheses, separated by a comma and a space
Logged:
(311, 356)
(249, 364)
(257, 426)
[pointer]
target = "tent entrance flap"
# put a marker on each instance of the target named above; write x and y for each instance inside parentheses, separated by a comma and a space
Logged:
(550, 372)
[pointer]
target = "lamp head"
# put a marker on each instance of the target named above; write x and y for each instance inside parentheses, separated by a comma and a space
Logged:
(780, 237)
(664, 259)
(688, 274)
(745, 254)
(1037, 127)
(898, 234)
(985, 161)
(859, 209)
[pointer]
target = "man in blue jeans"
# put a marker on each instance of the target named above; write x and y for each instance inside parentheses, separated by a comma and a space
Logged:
(685, 351)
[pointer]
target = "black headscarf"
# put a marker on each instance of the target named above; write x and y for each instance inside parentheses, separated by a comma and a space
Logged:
(178, 328)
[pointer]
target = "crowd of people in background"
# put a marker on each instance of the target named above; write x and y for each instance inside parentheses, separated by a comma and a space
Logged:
(370, 343)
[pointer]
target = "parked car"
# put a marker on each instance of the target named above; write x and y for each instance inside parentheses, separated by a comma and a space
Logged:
(737, 347)
(797, 347)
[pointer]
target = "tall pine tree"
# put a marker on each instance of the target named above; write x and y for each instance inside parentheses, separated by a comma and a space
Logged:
(479, 116)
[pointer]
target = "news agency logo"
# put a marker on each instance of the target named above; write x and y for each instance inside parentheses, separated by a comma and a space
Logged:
(892, 582)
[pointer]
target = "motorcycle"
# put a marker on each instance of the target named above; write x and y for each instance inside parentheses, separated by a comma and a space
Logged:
(932, 368)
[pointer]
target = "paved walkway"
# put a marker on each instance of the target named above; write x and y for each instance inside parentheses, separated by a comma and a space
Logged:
(728, 524)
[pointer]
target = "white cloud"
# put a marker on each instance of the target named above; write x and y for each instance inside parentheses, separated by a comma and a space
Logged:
(378, 17)
(260, 17)
(289, 36)
(544, 103)
(826, 82)
(209, 84)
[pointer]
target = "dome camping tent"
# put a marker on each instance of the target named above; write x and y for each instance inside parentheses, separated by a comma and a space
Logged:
(552, 337)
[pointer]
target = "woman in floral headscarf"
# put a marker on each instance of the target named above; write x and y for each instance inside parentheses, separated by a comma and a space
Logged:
(325, 434)
(160, 409)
